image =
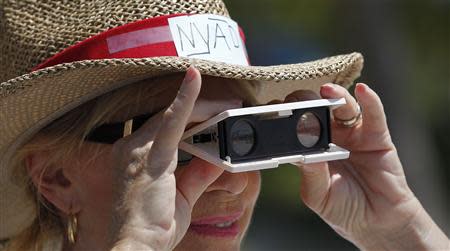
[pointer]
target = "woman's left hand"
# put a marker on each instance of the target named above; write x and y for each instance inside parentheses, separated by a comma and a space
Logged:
(366, 198)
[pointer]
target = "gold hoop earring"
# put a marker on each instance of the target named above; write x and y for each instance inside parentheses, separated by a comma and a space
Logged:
(72, 226)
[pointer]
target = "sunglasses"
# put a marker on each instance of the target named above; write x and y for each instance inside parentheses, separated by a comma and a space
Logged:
(110, 133)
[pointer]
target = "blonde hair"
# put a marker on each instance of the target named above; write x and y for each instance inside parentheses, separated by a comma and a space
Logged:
(64, 137)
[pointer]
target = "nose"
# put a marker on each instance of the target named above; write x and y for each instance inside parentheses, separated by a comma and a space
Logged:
(233, 183)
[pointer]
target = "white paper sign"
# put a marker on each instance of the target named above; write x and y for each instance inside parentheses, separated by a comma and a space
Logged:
(207, 36)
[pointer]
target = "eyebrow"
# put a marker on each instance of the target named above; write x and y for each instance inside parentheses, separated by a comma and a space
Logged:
(110, 133)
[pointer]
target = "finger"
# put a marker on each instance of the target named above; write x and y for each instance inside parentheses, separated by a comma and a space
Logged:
(372, 109)
(301, 95)
(344, 112)
(174, 120)
(195, 179)
(315, 184)
(146, 132)
(205, 109)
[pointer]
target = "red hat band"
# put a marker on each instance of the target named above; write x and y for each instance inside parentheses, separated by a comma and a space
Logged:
(202, 36)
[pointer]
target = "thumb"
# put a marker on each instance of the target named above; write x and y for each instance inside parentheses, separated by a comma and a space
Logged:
(315, 184)
(196, 178)
(191, 182)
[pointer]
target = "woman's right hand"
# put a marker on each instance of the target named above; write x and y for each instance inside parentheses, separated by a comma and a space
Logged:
(154, 211)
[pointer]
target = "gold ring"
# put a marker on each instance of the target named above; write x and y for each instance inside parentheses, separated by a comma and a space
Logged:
(350, 122)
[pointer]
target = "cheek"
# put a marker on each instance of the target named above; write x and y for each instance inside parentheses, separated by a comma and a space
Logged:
(95, 185)
(254, 185)
(179, 171)
(250, 196)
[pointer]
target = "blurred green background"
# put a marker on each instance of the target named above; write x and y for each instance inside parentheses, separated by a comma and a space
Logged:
(406, 48)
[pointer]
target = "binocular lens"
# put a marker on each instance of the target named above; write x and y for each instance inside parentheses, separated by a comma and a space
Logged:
(308, 129)
(242, 137)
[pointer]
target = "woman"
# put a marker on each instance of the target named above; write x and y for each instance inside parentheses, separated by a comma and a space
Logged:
(95, 190)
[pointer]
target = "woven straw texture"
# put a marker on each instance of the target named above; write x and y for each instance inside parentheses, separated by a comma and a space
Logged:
(32, 31)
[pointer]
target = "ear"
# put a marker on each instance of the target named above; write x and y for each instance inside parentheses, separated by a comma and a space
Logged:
(52, 182)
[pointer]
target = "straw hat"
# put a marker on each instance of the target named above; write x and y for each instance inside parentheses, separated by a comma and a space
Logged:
(56, 55)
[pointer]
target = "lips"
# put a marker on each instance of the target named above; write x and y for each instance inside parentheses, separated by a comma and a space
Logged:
(217, 226)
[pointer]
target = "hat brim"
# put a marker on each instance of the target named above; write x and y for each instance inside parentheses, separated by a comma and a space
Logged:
(31, 101)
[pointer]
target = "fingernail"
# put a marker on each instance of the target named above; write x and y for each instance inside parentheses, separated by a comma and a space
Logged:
(190, 74)
(361, 87)
(327, 89)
